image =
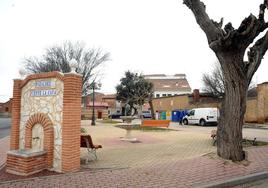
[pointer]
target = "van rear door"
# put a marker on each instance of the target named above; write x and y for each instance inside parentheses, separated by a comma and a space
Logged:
(212, 115)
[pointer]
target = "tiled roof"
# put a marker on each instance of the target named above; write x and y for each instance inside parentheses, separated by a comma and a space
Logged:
(154, 75)
(170, 84)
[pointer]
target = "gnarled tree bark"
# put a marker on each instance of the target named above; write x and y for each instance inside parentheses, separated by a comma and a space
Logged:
(230, 45)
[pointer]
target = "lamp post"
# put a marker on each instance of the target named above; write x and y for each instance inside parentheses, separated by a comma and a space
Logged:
(94, 86)
(93, 122)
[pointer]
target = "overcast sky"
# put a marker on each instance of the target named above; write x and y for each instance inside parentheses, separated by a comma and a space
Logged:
(147, 36)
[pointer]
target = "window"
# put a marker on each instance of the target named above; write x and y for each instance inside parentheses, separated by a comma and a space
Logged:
(6, 109)
(164, 95)
(157, 95)
(169, 95)
(191, 113)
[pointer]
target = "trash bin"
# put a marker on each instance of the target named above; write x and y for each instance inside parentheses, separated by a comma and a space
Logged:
(168, 115)
(163, 115)
(175, 115)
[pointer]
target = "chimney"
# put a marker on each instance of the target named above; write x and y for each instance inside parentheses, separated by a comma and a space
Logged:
(196, 96)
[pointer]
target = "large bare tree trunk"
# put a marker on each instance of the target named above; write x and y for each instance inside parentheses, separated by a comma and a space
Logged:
(229, 135)
(230, 45)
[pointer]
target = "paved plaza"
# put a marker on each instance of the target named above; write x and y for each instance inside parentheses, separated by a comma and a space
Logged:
(184, 157)
(153, 148)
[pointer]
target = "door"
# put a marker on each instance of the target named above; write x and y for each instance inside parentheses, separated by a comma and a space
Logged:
(191, 117)
(99, 115)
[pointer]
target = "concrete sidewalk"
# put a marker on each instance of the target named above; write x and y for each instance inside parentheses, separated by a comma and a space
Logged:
(161, 159)
(4, 147)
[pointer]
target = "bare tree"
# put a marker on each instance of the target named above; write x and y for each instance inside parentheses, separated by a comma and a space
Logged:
(230, 45)
(57, 58)
(214, 82)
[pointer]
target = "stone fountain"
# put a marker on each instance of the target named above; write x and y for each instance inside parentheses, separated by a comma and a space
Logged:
(128, 126)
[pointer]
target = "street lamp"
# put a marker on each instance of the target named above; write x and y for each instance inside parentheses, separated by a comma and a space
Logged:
(94, 86)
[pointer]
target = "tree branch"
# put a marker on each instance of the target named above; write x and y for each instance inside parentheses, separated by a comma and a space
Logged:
(255, 55)
(251, 26)
(211, 28)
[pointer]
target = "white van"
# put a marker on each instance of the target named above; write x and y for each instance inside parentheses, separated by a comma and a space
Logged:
(202, 116)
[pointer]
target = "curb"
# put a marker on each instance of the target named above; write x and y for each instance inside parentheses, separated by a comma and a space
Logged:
(238, 181)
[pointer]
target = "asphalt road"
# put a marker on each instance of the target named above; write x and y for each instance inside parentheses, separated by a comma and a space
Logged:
(5, 125)
(249, 133)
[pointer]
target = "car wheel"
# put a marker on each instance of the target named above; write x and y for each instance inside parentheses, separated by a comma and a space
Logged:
(202, 122)
(185, 122)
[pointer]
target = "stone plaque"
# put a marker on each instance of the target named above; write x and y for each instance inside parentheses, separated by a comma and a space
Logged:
(43, 93)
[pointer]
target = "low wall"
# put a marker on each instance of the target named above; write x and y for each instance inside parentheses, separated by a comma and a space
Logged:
(87, 113)
(25, 164)
(251, 114)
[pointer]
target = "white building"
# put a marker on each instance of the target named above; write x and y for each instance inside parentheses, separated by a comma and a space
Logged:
(169, 85)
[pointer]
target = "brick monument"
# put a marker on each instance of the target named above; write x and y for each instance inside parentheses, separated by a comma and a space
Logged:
(46, 119)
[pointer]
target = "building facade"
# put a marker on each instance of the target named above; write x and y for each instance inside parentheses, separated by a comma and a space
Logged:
(103, 105)
(114, 106)
(169, 85)
(257, 103)
(6, 108)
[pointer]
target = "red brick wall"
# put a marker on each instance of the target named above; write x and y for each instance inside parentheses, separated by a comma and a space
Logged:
(15, 128)
(25, 165)
(71, 122)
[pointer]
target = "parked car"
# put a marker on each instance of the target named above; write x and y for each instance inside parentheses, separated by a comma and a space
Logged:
(115, 115)
(146, 114)
(202, 116)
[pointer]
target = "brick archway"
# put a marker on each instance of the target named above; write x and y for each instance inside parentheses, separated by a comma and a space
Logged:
(44, 120)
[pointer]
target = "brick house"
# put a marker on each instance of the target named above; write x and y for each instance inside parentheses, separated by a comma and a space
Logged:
(185, 101)
(86, 99)
(257, 103)
(101, 110)
(6, 108)
(113, 104)
(103, 105)
(169, 85)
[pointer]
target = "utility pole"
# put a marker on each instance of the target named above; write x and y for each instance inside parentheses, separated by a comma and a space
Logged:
(93, 122)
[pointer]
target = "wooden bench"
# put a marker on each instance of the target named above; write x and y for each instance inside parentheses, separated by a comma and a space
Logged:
(155, 123)
(213, 135)
(86, 142)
